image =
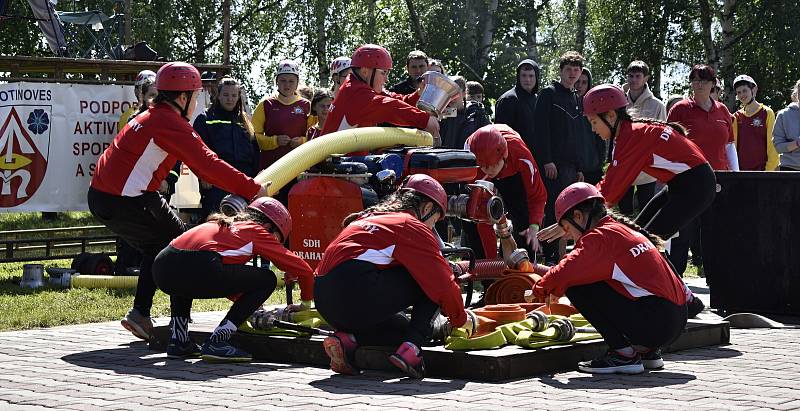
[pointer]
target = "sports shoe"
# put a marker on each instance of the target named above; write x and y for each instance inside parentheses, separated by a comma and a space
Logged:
(138, 325)
(613, 363)
(340, 348)
(223, 351)
(652, 360)
(181, 350)
(694, 307)
(408, 359)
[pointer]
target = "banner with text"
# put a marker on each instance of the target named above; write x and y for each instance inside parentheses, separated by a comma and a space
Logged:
(50, 138)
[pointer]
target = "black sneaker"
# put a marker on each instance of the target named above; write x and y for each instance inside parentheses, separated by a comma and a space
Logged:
(613, 363)
(694, 307)
(223, 351)
(182, 350)
(652, 360)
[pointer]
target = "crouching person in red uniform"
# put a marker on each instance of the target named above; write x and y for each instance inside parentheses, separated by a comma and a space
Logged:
(506, 161)
(210, 261)
(655, 148)
(617, 278)
(124, 191)
(386, 259)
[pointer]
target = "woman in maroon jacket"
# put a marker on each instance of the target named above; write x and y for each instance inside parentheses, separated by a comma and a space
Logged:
(617, 278)
(210, 261)
(386, 259)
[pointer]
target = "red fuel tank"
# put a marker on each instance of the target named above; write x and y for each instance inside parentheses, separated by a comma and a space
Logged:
(317, 206)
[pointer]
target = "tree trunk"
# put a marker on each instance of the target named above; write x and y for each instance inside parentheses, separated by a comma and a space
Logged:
(706, 18)
(661, 40)
(531, 46)
(580, 36)
(727, 69)
(321, 41)
(226, 32)
(422, 41)
(369, 33)
(486, 36)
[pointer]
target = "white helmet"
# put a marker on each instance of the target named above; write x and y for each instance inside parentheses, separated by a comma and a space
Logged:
(145, 77)
(340, 64)
(288, 67)
(745, 78)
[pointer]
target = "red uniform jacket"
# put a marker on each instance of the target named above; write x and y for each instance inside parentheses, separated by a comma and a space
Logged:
(146, 149)
(358, 105)
(238, 244)
(656, 149)
(399, 239)
(520, 161)
(623, 258)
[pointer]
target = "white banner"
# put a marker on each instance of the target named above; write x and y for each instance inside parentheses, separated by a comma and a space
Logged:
(50, 138)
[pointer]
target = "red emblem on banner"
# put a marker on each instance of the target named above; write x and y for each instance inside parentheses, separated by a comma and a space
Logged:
(22, 162)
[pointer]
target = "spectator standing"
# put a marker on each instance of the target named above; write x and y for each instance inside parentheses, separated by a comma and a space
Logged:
(558, 127)
(320, 104)
(593, 149)
(226, 129)
(340, 68)
(280, 121)
(437, 66)
(516, 107)
(145, 91)
(209, 79)
(709, 125)
(786, 134)
(416, 65)
(474, 92)
(752, 128)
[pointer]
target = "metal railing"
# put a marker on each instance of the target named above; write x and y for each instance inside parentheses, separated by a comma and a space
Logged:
(55, 243)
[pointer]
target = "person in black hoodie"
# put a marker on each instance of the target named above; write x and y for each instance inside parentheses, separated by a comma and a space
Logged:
(515, 107)
(226, 129)
(591, 147)
(559, 124)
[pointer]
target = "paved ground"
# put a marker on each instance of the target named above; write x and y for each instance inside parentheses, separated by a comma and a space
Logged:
(96, 366)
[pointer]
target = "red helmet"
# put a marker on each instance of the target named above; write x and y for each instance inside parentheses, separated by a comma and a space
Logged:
(178, 76)
(488, 145)
(604, 98)
(573, 195)
(371, 56)
(275, 212)
(429, 187)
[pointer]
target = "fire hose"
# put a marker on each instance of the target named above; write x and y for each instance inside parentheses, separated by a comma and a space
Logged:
(536, 331)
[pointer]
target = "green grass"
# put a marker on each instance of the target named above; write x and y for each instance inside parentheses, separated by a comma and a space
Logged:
(26, 221)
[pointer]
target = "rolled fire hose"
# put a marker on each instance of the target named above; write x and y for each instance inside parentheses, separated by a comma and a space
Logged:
(490, 268)
(511, 288)
(501, 313)
(104, 281)
(300, 159)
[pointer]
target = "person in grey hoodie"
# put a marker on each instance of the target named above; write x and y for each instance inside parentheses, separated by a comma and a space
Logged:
(515, 107)
(786, 134)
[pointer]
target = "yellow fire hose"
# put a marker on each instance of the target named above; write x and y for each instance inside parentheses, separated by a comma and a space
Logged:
(104, 281)
(529, 333)
(300, 159)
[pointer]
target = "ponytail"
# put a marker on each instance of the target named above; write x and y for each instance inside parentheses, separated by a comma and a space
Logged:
(623, 115)
(247, 214)
(595, 210)
(401, 200)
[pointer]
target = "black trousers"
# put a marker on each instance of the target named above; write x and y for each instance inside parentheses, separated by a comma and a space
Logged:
(187, 274)
(648, 321)
(679, 207)
(567, 174)
(359, 298)
(147, 223)
(641, 195)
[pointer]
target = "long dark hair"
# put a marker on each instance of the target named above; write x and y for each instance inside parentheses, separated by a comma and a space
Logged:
(596, 210)
(248, 214)
(239, 108)
(401, 200)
